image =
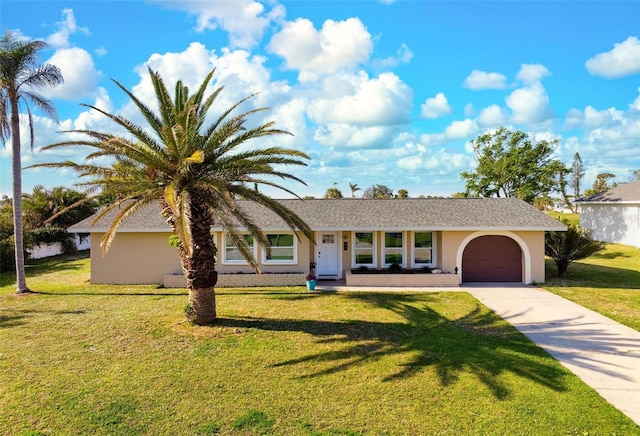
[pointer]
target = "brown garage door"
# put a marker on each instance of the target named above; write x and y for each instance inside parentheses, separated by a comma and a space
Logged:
(492, 259)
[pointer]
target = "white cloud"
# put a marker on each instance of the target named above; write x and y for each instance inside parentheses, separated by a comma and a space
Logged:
(345, 135)
(455, 131)
(492, 116)
(402, 56)
(436, 107)
(530, 74)
(361, 101)
(244, 20)
(338, 46)
(636, 103)
(482, 80)
(66, 27)
(623, 60)
(529, 105)
(79, 73)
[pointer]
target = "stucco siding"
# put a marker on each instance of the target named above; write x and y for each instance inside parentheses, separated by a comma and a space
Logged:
(611, 223)
(133, 258)
(145, 258)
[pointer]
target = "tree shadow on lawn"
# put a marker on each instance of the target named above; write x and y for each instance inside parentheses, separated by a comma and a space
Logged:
(479, 343)
(594, 276)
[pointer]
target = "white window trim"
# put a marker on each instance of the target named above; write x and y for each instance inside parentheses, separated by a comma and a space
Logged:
(294, 261)
(433, 250)
(353, 251)
(226, 238)
(402, 249)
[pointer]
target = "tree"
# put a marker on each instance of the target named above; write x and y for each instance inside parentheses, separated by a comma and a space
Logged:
(402, 193)
(511, 164)
(635, 175)
(57, 207)
(194, 169)
(333, 192)
(601, 184)
(378, 191)
(574, 244)
(577, 173)
(19, 73)
(354, 188)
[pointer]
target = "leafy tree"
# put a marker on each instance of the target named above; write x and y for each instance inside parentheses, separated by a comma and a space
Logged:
(601, 184)
(333, 192)
(511, 164)
(635, 175)
(58, 207)
(354, 187)
(402, 193)
(378, 191)
(460, 195)
(194, 170)
(574, 244)
(20, 73)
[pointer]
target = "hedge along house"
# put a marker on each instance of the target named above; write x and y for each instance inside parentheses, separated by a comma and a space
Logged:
(466, 239)
(613, 215)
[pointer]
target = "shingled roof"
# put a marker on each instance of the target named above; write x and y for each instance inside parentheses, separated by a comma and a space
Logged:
(627, 192)
(367, 214)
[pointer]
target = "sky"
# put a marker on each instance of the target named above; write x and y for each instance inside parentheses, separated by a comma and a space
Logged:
(375, 92)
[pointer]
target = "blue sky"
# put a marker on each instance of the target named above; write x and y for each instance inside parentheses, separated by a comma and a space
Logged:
(375, 92)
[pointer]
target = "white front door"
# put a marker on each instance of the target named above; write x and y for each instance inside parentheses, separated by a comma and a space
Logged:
(328, 254)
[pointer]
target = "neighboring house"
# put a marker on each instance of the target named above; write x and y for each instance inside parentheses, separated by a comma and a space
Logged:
(613, 215)
(479, 239)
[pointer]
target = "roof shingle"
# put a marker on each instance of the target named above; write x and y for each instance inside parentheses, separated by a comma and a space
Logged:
(368, 214)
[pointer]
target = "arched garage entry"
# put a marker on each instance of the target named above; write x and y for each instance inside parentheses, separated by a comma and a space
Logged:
(492, 258)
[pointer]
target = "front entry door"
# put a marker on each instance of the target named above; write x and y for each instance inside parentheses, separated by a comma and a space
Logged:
(327, 254)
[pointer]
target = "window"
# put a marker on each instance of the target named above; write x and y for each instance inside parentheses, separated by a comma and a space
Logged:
(363, 249)
(422, 249)
(393, 248)
(232, 254)
(283, 249)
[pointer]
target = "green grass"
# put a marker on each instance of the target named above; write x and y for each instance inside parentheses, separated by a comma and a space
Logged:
(573, 218)
(77, 358)
(607, 282)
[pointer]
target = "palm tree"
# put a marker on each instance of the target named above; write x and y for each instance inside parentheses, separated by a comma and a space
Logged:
(354, 188)
(19, 71)
(574, 244)
(195, 172)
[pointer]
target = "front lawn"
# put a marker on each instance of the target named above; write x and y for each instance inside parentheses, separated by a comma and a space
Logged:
(607, 282)
(77, 358)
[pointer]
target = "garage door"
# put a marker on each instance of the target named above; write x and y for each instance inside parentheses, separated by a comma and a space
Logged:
(492, 259)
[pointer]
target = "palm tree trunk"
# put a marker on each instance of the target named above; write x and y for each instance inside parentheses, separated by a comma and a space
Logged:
(199, 265)
(21, 284)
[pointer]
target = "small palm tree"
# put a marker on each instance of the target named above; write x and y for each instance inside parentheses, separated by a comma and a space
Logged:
(195, 171)
(354, 188)
(574, 244)
(20, 72)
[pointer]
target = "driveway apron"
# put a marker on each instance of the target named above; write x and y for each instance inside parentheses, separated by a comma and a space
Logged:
(602, 352)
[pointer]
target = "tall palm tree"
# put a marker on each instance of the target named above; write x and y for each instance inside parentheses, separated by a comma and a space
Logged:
(195, 171)
(20, 72)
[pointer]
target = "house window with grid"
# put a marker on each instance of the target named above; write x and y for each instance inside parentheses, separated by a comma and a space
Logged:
(422, 249)
(393, 248)
(232, 254)
(363, 249)
(283, 249)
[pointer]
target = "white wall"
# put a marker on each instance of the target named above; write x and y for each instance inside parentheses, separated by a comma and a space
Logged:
(619, 224)
(47, 250)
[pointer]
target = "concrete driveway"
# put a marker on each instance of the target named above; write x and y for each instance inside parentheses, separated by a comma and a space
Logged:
(602, 352)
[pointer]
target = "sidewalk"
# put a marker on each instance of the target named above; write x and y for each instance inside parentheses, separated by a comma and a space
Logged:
(602, 352)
